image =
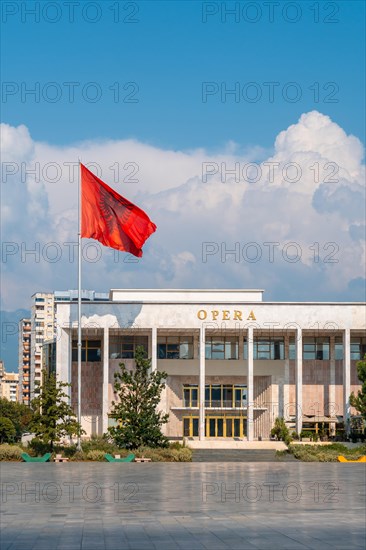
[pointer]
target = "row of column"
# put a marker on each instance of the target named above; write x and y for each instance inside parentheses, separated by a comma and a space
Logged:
(202, 384)
(298, 381)
(250, 379)
(346, 377)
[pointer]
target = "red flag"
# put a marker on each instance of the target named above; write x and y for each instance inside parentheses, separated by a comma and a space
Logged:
(111, 219)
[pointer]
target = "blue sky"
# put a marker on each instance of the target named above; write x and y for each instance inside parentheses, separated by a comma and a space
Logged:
(147, 86)
(168, 52)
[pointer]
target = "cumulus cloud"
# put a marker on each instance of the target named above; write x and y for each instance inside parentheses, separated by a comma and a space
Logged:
(291, 224)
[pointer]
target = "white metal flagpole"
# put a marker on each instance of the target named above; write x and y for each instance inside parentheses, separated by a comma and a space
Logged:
(79, 305)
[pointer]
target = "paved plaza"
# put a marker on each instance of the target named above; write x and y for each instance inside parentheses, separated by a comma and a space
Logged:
(168, 506)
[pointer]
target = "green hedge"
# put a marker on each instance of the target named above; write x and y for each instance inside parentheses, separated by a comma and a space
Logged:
(326, 453)
(91, 452)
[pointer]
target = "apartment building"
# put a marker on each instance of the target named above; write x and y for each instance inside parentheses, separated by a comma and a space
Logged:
(24, 360)
(9, 383)
(44, 326)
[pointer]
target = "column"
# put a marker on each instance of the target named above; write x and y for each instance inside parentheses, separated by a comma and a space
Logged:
(154, 349)
(105, 400)
(331, 391)
(63, 358)
(346, 378)
(286, 381)
(202, 380)
(298, 380)
(250, 426)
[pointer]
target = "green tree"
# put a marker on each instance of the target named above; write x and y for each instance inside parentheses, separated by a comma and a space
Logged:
(53, 417)
(359, 401)
(7, 430)
(139, 391)
(281, 431)
(18, 413)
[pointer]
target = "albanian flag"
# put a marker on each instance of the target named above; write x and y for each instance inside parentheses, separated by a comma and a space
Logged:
(111, 219)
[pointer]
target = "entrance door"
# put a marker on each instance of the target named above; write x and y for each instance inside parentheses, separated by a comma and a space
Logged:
(236, 427)
(190, 426)
(216, 426)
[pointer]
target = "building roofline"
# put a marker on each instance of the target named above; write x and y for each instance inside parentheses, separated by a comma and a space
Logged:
(200, 302)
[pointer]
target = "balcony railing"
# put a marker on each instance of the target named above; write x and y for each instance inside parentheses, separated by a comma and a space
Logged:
(219, 404)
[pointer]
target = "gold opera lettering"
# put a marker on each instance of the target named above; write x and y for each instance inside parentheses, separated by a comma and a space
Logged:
(224, 315)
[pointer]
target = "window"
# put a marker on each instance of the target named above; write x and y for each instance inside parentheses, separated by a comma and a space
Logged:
(90, 350)
(338, 348)
(190, 395)
(316, 348)
(216, 395)
(292, 349)
(175, 347)
(124, 346)
(358, 348)
(221, 348)
(266, 348)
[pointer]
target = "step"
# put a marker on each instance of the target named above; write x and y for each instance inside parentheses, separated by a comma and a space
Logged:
(237, 455)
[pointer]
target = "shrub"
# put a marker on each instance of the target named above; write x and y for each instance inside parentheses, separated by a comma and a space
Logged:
(169, 454)
(177, 445)
(185, 455)
(99, 443)
(280, 430)
(37, 447)
(79, 456)
(7, 430)
(10, 452)
(96, 456)
(68, 451)
(326, 453)
(288, 440)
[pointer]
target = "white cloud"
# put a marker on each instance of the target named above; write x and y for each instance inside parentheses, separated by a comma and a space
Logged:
(310, 192)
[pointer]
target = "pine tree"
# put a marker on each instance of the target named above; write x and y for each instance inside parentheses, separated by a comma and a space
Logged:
(53, 417)
(359, 401)
(139, 391)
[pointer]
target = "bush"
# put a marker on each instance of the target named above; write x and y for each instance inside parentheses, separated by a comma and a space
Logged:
(68, 451)
(173, 453)
(288, 440)
(280, 430)
(10, 452)
(326, 453)
(181, 454)
(38, 448)
(177, 445)
(96, 456)
(7, 430)
(99, 443)
(79, 456)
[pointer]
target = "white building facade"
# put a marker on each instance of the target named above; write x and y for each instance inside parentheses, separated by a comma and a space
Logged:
(250, 360)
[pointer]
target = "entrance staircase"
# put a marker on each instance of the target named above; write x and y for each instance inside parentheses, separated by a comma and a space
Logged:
(238, 455)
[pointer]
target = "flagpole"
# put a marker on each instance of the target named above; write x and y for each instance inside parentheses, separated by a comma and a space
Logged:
(79, 305)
